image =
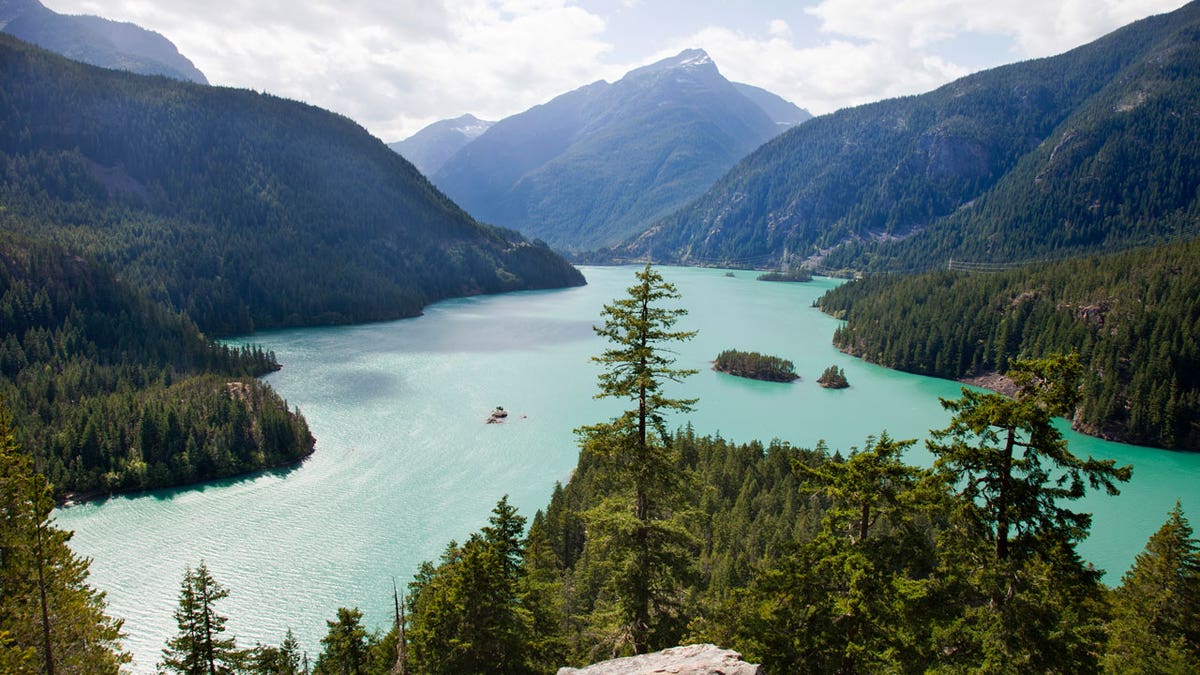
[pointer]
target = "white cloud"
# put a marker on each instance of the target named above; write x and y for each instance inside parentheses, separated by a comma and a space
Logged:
(867, 50)
(1038, 27)
(396, 65)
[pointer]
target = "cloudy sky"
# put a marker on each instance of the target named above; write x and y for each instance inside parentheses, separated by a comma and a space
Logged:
(397, 65)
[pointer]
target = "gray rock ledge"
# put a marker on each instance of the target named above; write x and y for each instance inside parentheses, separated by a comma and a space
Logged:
(689, 660)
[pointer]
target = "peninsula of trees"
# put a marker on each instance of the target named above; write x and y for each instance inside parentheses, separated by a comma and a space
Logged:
(111, 391)
(1131, 317)
(755, 366)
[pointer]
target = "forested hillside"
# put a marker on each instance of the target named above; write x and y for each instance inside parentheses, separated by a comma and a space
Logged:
(112, 391)
(1097, 148)
(241, 209)
(1133, 318)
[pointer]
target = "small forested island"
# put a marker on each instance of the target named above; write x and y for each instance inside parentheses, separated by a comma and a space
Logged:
(833, 378)
(755, 366)
(795, 275)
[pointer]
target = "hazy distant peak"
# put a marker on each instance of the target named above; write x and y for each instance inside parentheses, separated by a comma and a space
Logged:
(470, 126)
(96, 40)
(429, 148)
(782, 111)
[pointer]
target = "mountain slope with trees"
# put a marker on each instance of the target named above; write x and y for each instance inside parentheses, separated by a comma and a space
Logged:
(1095, 148)
(242, 209)
(98, 41)
(598, 164)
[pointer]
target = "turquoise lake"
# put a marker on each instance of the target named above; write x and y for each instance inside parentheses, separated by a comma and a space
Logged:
(405, 463)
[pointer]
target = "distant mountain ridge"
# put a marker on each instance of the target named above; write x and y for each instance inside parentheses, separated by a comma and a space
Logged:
(98, 41)
(597, 164)
(1093, 149)
(429, 148)
(211, 200)
(782, 111)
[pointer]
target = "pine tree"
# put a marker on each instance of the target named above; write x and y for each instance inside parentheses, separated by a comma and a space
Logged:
(845, 601)
(645, 548)
(289, 654)
(199, 648)
(472, 613)
(281, 660)
(1025, 600)
(871, 488)
(1156, 610)
(51, 621)
(346, 645)
(1011, 466)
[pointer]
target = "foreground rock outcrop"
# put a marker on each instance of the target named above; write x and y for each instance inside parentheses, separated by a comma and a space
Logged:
(689, 660)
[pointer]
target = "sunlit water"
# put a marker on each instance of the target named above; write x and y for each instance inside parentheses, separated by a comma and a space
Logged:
(405, 463)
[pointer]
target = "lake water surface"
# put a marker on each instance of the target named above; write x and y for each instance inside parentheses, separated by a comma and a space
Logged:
(405, 463)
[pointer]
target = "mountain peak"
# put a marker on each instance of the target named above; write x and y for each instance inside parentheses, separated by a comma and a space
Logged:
(692, 57)
(429, 148)
(470, 126)
(687, 59)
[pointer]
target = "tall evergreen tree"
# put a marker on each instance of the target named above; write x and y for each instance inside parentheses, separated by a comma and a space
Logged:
(1025, 600)
(51, 621)
(346, 646)
(199, 648)
(1011, 466)
(1156, 609)
(635, 530)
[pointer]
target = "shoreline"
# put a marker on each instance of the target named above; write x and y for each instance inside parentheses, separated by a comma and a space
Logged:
(79, 498)
(993, 381)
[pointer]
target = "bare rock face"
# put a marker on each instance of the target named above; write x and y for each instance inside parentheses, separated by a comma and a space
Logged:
(689, 660)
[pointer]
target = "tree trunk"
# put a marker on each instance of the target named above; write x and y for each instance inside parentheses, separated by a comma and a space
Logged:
(47, 651)
(401, 665)
(1002, 498)
(208, 645)
(641, 619)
